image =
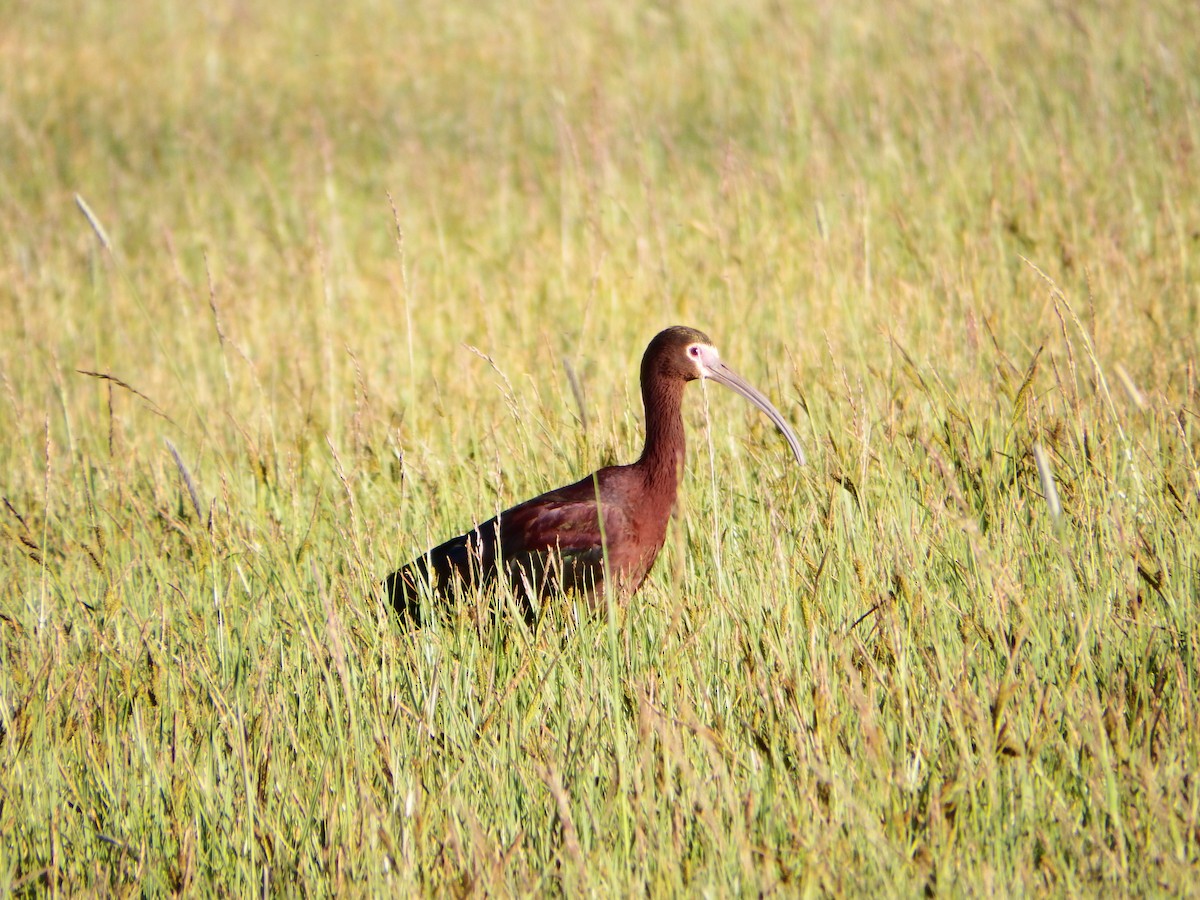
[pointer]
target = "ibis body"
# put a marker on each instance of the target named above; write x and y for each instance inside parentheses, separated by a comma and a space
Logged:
(606, 527)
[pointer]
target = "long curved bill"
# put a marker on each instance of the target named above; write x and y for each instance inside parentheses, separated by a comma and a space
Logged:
(719, 372)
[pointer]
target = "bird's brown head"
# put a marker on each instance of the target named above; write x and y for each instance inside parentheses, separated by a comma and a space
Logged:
(675, 354)
(682, 354)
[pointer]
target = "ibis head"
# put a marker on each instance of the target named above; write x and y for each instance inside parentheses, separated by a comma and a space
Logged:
(685, 354)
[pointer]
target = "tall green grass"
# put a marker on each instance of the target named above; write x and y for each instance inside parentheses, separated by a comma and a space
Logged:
(288, 296)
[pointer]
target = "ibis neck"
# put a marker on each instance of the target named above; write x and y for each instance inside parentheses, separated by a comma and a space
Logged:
(666, 442)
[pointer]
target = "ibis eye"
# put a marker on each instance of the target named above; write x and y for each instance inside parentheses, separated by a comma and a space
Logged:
(694, 350)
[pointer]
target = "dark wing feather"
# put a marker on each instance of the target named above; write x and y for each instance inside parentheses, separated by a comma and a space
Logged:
(549, 543)
(464, 562)
(557, 544)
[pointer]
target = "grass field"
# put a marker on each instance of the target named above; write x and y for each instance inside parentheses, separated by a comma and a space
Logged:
(288, 296)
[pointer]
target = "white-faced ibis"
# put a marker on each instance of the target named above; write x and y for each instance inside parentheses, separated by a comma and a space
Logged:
(611, 523)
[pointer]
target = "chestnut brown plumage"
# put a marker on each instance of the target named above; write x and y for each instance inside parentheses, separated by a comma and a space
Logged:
(610, 524)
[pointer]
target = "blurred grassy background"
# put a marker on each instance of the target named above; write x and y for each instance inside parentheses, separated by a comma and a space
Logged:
(342, 261)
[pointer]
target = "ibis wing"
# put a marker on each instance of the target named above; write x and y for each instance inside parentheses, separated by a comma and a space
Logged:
(559, 543)
(554, 541)
(465, 562)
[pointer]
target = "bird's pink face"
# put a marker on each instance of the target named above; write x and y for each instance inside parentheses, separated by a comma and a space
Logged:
(704, 357)
(708, 364)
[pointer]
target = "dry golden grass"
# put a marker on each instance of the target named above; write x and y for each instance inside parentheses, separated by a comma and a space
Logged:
(286, 296)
